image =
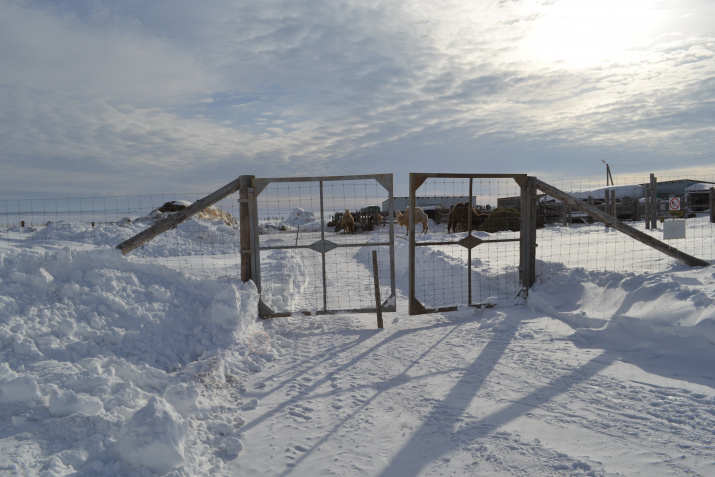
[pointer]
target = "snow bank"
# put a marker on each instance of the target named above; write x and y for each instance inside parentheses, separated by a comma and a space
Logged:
(306, 220)
(191, 237)
(109, 360)
(85, 303)
(656, 307)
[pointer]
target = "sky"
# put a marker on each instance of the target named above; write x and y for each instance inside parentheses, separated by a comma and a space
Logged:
(116, 98)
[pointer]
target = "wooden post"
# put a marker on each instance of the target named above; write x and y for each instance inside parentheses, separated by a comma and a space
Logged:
(378, 301)
(620, 226)
(22, 224)
(527, 246)
(712, 205)
(412, 306)
(614, 208)
(646, 207)
(653, 202)
(244, 220)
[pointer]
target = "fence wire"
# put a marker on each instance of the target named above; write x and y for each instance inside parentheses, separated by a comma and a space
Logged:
(291, 220)
(569, 239)
(291, 277)
(206, 247)
(443, 276)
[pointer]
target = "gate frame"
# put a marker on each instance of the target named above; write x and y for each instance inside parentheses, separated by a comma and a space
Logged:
(527, 240)
(250, 243)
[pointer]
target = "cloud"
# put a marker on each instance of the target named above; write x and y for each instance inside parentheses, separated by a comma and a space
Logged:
(185, 90)
(44, 51)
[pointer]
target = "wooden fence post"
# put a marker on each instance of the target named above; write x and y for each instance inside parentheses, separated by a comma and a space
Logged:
(712, 205)
(607, 204)
(653, 202)
(244, 220)
(646, 207)
(527, 247)
(413, 307)
(376, 278)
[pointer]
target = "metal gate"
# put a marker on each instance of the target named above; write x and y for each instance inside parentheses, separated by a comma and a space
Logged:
(301, 259)
(499, 219)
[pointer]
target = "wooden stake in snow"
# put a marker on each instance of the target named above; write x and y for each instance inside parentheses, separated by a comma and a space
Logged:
(377, 289)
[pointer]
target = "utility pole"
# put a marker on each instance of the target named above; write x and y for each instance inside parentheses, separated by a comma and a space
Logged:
(608, 174)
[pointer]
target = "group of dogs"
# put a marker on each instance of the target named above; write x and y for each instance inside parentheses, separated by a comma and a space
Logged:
(458, 219)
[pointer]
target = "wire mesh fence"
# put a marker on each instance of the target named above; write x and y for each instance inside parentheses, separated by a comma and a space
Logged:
(291, 222)
(570, 239)
(208, 246)
(311, 259)
(472, 255)
(292, 217)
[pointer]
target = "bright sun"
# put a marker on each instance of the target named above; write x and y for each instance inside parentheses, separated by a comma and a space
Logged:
(584, 33)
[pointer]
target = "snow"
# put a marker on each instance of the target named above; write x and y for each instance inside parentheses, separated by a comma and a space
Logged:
(699, 187)
(121, 365)
(153, 437)
(299, 218)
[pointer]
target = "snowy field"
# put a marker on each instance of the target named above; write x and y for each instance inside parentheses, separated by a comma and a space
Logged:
(155, 363)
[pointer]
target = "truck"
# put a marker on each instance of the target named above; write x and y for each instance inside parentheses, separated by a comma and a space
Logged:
(366, 219)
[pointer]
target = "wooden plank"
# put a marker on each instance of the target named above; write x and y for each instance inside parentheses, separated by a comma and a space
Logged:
(527, 247)
(413, 308)
(653, 202)
(244, 218)
(611, 221)
(175, 219)
(376, 279)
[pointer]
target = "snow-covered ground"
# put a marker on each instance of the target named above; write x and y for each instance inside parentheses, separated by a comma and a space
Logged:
(125, 365)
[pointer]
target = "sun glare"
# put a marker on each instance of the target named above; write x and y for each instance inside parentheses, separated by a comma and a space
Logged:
(584, 33)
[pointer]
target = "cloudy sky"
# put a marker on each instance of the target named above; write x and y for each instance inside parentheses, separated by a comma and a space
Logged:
(132, 97)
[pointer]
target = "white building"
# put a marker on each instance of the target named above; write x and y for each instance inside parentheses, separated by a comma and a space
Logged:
(426, 203)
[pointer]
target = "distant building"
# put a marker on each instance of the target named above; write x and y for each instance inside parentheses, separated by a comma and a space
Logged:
(677, 188)
(697, 196)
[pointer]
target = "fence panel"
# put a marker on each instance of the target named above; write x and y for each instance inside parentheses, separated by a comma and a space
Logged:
(574, 241)
(304, 261)
(207, 247)
(297, 277)
(470, 259)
